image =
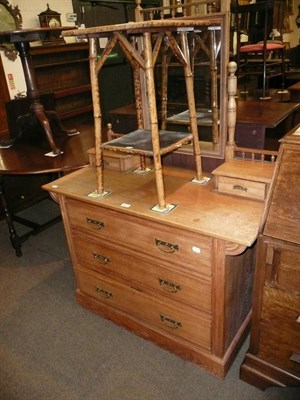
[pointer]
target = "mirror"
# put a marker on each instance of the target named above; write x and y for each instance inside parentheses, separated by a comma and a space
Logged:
(209, 58)
(10, 19)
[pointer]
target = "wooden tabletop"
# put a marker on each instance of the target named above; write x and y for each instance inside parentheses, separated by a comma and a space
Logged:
(26, 157)
(198, 208)
(29, 35)
(265, 113)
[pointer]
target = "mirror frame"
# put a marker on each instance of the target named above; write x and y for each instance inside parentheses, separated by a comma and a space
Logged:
(9, 49)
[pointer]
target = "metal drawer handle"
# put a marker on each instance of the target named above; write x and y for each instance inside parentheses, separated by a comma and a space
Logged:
(103, 293)
(169, 286)
(95, 224)
(169, 322)
(102, 259)
(239, 187)
(166, 247)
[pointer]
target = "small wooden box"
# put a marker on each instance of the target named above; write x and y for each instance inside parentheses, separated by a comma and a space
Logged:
(117, 161)
(244, 178)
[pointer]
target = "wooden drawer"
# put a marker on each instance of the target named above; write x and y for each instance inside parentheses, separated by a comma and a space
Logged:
(280, 346)
(175, 285)
(281, 308)
(154, 241)
(116, 160)
(175, 321)
(242, 187)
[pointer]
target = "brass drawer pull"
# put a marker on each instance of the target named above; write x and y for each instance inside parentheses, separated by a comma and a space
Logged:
(102, 259)
(95, 224)
(103, 293)
(166, 247)
(169, 286)
(239, 187)
(169, 322)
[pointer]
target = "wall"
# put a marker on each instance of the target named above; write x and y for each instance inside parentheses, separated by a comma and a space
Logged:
(29, 11)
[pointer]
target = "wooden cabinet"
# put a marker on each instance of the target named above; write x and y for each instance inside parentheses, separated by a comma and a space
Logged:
(64, 70)
(182, 280)
(273, 358)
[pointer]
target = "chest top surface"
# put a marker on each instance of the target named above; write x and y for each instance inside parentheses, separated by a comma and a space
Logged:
(198, 208)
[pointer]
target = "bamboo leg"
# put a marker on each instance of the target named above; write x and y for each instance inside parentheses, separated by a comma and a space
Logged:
(164, 89)
(138, 106)
(154, 121)
(192, 106)
(97, 115)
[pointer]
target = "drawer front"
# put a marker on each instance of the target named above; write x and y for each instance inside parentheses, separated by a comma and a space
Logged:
(175, 285)
(163, 316)
(280, 347)
(242, 187)
(156, 241)
(281, 308)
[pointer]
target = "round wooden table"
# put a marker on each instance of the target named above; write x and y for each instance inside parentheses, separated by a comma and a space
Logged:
(27, 157)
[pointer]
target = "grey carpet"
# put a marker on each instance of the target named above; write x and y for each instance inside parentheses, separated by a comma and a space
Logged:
(53, 349)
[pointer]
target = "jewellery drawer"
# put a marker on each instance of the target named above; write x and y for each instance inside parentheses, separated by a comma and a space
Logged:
(242, 187)
(174, 284)
(175, 321)
(142, 236)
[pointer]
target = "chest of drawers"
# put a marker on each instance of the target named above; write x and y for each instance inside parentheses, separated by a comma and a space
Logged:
(172, 279)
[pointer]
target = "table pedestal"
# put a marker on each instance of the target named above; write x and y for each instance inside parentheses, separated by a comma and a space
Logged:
(21, 39)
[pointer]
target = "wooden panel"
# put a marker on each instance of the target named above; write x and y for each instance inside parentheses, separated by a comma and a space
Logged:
(278, 347)
(281, 309)
(283, 267)
(283, 220)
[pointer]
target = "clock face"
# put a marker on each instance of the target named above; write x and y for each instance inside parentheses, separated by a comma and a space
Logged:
(53, 22)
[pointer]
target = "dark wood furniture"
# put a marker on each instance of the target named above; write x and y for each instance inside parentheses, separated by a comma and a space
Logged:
(260, 124)
(295, 92)
(182, 280)
(21, 39)
(27, 159)
(273, 358)
(64, 70)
